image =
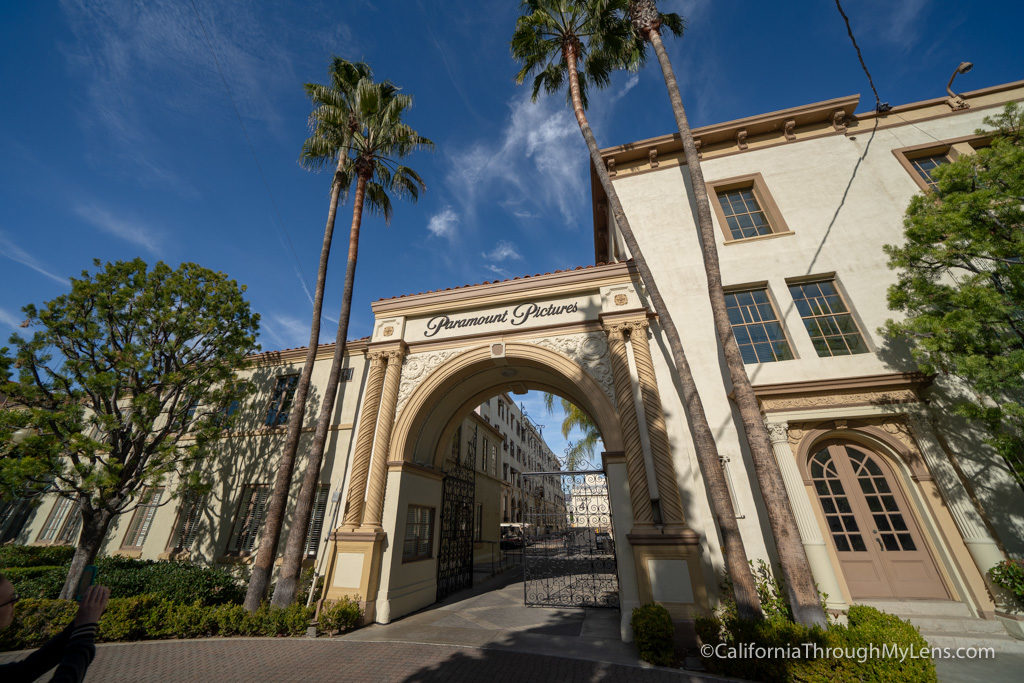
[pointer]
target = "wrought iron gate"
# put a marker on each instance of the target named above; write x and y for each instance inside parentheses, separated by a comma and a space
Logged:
(569, 547)
(455, 554)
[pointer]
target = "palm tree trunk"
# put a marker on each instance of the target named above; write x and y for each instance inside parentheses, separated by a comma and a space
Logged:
(796, 572)
(263, 567)
(287, 580)
(747, 602)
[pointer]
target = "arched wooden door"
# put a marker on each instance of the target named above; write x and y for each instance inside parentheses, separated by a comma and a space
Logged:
(880, 547)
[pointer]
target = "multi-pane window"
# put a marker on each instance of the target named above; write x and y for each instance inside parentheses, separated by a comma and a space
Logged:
(885, 511)
(281, 400)
(188, 523)
(250, 518)
(926, 164)
(142, 520)
(743, 213)
(829, 322)
(316, 520)
(56, 521)
(419, 533)
(835, 502)
(760, 336)
(347, 374)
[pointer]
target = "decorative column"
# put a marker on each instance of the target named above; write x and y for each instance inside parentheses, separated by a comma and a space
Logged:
(810, 534)
(382, 444)
(636, 472)
(668, 490)
(364, 443)
(983, 548)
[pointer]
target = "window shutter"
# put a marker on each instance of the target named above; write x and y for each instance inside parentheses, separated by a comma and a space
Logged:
(189, 523)
(316, 520)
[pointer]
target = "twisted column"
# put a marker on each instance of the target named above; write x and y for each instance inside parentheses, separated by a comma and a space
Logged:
(364, 443)
(636, 471)
(664, 473)
(810, 534)
(382, 445)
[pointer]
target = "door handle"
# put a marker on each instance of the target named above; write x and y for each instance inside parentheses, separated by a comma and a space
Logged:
(879, 540)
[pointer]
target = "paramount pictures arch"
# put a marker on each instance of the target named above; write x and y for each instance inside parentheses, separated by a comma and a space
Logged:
(584, 335)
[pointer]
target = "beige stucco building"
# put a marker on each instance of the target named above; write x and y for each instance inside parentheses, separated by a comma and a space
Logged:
(896, 501)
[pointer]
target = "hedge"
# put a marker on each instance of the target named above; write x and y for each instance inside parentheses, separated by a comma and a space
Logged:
(653, 633)
(867, 628)
(180, 582)
(150, 617)
(13, 555)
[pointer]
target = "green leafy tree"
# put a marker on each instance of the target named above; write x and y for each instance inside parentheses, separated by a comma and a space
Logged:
(377, 139)
(580, 451)
(572, 44)
(960, 282)
(803, 594)
(117, 374)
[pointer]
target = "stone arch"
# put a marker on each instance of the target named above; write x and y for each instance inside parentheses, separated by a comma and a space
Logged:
(901, 456)
(455, 387)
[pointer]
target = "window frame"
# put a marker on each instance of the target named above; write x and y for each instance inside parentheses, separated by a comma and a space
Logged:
(55, 526)
(952, 148)
(431, 519)
(756, 183)
(139, 525)
(235, 539)
(763, 286)
(315, 528)
(190, 507)
(276, 403)
(869, 347)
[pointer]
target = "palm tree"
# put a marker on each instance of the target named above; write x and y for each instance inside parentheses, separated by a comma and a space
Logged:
(375, 138)
(803, 594)
(344, 78)
(551, 40)
(573, 417)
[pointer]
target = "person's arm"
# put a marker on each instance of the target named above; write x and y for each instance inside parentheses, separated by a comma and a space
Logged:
(39, 662)
(80, 650)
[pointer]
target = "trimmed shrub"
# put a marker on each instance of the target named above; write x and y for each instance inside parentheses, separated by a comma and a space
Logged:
(339, 616)
(12, 555)
(870, 635)
(654, 634)
(37, 581)
(149, 617)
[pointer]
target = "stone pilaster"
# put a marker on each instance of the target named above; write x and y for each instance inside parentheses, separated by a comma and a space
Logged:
(822, 570)
(636, 471)
(382, 445)
(668, 489)
(983, 548)
(364, 444)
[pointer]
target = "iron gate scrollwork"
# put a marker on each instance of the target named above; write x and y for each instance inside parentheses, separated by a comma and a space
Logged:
(455, 552)
(569, 547)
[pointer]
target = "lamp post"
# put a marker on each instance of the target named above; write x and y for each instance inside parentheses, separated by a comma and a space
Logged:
(955, 101)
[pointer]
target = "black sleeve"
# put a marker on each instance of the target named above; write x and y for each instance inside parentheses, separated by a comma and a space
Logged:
(37, 663)
(78, 654)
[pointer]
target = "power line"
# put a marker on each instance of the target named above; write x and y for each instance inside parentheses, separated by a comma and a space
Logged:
(880, 107)
(278, 222)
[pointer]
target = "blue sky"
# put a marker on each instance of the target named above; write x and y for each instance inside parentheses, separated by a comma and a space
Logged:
(118, 137)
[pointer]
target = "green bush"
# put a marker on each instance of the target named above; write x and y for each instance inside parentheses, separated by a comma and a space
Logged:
(654, 634)
(339, 616)
(13, 555)
(180, 582)
(1009, 574)
(868, 631)
(149, 617)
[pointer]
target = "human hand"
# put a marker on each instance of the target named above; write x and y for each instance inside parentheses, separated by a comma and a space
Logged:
(93, 603)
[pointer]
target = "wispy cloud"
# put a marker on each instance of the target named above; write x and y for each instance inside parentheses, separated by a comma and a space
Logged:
(443, 224)
(10, 320)
(284, 331)
(127, 229)
(503, 251)
(19, 255)
(497, 270)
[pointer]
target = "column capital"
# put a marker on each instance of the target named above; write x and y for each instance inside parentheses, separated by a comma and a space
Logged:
(375, 357)
(616, 331)
(778, 432)
(640, 325)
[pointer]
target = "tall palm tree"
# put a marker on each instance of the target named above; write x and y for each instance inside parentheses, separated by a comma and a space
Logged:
(574, 417)
(375, 139)
(803, 595)
(344, 76)
(551, 40)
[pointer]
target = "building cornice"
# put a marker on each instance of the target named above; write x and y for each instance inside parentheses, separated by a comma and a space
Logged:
(323, 352)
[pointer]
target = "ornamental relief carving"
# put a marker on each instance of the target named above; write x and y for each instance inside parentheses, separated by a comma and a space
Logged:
(590, 351)
(839, 399)
(416, 368)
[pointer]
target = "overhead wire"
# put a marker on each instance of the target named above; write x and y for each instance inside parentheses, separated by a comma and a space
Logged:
(880, 106)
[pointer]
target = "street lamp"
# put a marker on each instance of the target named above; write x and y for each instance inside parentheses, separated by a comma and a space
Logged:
(955, 101)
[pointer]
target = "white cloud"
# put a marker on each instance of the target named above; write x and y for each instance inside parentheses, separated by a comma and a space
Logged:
(127, 229)
(286, 332)
(498, 270)
(19, 255)
(7, 319)
(503, 250)
(443, 224)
